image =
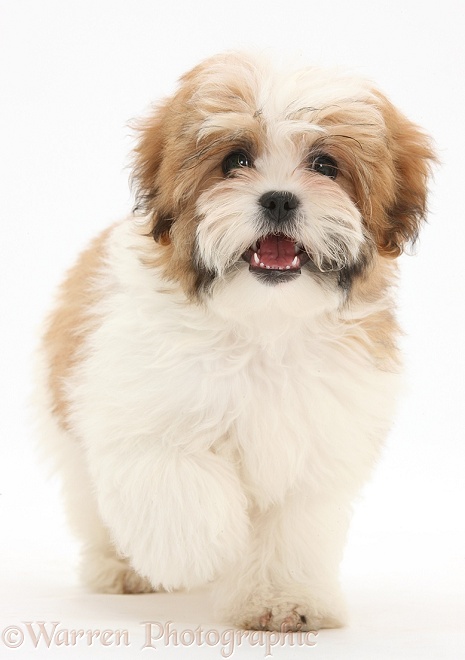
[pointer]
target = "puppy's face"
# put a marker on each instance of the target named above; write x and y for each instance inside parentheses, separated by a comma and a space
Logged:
(297, 181)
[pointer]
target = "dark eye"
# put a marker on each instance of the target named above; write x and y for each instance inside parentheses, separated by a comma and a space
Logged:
(324, 165)
(236, 161)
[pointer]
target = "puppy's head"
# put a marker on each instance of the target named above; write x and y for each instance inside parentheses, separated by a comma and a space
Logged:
(251, 177)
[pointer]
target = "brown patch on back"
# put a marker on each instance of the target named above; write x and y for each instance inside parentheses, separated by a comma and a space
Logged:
(71, 321)
(383, 331)
(378, 332)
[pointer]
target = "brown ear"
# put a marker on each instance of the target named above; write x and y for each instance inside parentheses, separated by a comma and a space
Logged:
(146, 176)
(412, 156)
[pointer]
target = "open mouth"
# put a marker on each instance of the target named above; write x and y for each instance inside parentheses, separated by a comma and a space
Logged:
(275, 255)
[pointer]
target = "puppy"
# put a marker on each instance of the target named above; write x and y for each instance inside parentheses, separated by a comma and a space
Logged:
(220, 370)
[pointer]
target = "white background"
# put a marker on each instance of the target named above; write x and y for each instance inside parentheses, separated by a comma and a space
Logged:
(73, 73)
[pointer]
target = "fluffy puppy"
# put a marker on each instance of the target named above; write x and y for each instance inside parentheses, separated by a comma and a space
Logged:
(220, 370)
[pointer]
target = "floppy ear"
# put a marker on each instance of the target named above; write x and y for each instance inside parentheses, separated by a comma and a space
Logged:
(147, 175)
(412, 156)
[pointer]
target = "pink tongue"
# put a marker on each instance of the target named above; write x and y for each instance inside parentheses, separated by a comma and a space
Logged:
(276, 251)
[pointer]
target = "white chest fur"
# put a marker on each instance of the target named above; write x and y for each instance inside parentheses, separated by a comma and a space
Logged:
(287, 405)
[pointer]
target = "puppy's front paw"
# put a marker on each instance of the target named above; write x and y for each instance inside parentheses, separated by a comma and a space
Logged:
(284, 617)
(289, 617)
(133, 583)
(112, 575)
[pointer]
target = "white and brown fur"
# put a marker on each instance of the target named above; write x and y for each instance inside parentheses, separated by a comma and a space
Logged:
(212, 425)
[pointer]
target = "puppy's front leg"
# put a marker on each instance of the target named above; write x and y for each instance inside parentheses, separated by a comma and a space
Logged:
(290, 580)
(178, 515)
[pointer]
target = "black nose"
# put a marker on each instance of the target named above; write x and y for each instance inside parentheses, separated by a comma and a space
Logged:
(279, 205)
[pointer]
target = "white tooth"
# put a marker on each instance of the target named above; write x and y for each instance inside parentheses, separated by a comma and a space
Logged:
(295, 261)
(262, 265)
(254, 247)
(288, 268)
(296, 249)
(268, 267)
(255, 258)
